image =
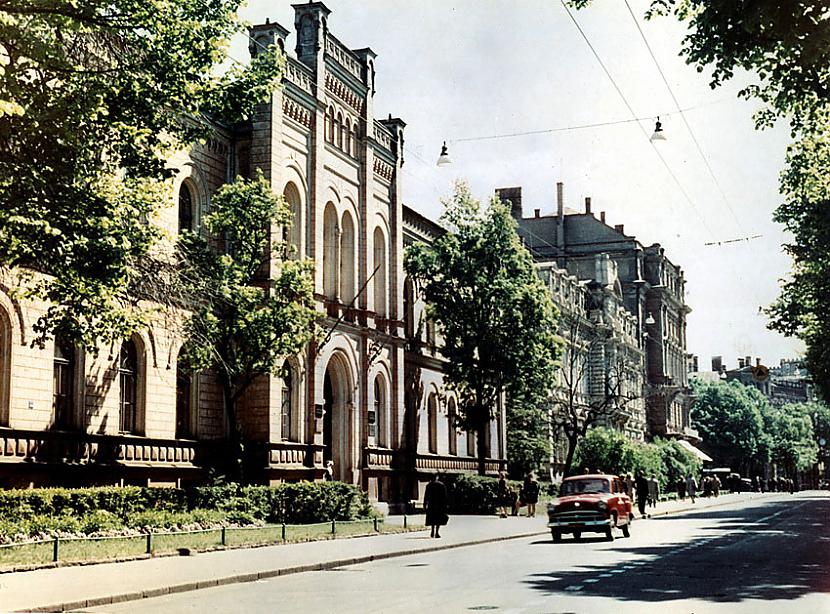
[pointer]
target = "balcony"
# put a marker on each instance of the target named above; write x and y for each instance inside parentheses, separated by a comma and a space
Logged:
(77, 448)
(456, 464)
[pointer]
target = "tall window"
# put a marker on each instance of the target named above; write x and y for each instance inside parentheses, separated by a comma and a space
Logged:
(5, 364)
(338, 134)
(292, 234)
(330, 125)
(347, 253)
(380, 273)
(185, 208)
(452, 443)
(184, 400)
(432, 418)
(128, 380)
(379, 412)
(63, 373)
(409, 307)
(330, 264)
(471, 444)
(287, 406)
(354, 139)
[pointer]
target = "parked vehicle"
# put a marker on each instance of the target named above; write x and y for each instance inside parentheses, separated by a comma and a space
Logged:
(595, 503)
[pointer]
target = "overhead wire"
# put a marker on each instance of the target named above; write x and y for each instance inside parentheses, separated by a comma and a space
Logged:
(683, 117)
(634, 115)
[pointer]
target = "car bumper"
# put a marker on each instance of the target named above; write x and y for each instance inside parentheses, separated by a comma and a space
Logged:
(564, 523)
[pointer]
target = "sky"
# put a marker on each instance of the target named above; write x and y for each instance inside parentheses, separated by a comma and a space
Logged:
(457, 71)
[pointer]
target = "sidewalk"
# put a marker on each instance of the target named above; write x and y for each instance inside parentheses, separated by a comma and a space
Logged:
(77, 587)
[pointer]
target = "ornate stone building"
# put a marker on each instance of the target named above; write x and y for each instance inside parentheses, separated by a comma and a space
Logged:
(369, 397)
(634, 293)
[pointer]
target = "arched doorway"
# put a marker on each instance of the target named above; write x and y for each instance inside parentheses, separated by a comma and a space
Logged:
(338, 418)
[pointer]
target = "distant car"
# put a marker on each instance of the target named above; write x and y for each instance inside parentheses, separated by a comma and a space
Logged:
(595, 503)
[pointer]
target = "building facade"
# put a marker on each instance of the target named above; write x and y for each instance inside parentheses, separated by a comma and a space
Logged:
(132, 415)
(638, 295)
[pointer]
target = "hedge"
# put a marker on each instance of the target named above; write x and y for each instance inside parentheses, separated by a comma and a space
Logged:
(109, 509)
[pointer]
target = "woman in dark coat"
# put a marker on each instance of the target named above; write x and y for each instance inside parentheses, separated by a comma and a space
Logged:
(435, 505)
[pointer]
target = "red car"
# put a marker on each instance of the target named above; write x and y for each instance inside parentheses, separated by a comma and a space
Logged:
(595, 503)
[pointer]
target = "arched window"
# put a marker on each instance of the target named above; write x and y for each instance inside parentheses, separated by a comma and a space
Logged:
(347, 138)
(185, 208)
(330, 125)
(432, 419)
(128, 380)
(330, 250)
(347, 252)
(380, 413)
(63, 389)
(451, 428)
(355, 137)
(184, 399)
(338, 134)
(292, 235)
(287, 408)
(431, 334)
(380, 273)
(5, 365)
(409, 308)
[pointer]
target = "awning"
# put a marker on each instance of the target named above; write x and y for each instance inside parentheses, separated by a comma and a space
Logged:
(699, 453)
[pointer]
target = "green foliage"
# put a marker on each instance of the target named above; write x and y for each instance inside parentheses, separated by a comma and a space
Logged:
(94, 96)
(109, 510)
(474, 494)
(609, 451)
(496, 317)
(793, 443)
(528, 443)
(255, 306)
(729, 417)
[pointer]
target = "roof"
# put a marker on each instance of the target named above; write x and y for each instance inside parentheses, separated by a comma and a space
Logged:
(698, 453)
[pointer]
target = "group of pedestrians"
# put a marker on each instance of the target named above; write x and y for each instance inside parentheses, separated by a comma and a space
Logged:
(774, 484)
(510, 502)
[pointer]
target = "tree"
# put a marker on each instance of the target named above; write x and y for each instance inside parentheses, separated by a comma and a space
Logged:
(592, 387)
(784, 46)
(496, 317)
(528, 445)
(793, 444)
(93, 96)
(729, 417)
(245, 321)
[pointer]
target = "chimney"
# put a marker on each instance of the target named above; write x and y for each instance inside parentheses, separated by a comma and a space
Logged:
(620, 228)
(514, 197)
(602, 216)
(587, 204)
(748, 361)
(740, 363)
(536, 212)
(560, 199)
(757, 362)
(717, 364)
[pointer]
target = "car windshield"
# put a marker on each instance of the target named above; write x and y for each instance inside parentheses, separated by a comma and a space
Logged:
(574, 487)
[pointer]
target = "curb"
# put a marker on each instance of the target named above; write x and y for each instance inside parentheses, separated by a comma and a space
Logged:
(326, 565)
(262, 575)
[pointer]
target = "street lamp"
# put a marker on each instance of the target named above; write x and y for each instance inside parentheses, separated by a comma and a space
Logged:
(658, 131)
(444, 158)
(650, 319)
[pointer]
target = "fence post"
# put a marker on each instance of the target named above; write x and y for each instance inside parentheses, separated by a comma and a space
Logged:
(375, 523)
(55, 549)
(150, 543)
(333, 527)
(283, 531)
(224, 541)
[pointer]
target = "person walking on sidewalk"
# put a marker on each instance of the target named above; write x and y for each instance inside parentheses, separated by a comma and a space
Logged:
(530, 494)
(691, 486)
(653, 490)
(641, 484)
(436, 505)
(503, 498)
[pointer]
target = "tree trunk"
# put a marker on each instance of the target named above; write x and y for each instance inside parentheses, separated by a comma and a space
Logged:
(569, 459)
(481, 446)
(234, 434)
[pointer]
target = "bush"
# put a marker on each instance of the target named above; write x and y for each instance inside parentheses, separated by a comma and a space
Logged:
(474, 494)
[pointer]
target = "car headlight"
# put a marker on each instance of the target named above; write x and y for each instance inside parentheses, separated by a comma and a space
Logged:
(602, 505)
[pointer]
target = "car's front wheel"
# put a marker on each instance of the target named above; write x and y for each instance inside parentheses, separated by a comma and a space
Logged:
(577, 535)
(556, 534)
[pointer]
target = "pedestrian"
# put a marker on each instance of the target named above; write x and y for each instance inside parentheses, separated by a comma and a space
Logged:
(754, 483)
(715, 485)
(629, 485)
(653, 490)
(328, 474)
(641, 484)
(435, 505)
(681, 489)
(503, 498)
(691, 486)
(530, 494)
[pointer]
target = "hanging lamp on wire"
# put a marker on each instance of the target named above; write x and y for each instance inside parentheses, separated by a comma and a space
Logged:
(658, 131)
(444, 158)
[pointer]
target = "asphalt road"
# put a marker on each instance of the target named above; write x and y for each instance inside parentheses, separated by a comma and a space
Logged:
(764, 557)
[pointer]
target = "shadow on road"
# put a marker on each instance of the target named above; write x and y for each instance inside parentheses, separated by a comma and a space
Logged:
(772, 551)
